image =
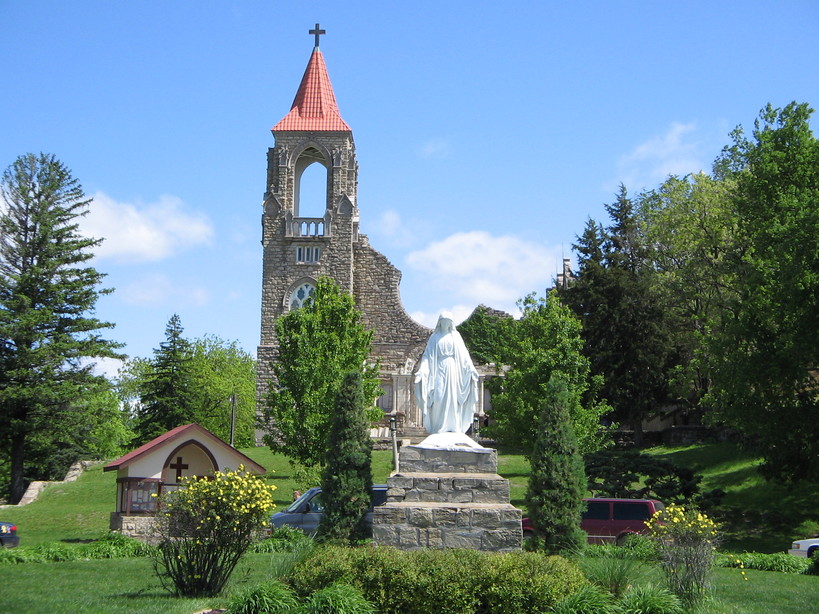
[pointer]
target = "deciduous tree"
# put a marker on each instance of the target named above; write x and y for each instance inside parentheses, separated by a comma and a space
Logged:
(547, 342)
(47, 298)
(766, 366)
(318, 344)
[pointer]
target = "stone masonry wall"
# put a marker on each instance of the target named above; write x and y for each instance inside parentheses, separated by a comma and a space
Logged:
(447, 499)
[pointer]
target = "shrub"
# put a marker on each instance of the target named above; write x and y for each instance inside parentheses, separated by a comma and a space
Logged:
(589, 599)
(557, 480)
(686, 540)
(649, 599)
(282, 539)
(337, 599)
(614, 573)
(779, 561)
(113, 545)
(12, 556)
(205, 526)
(270, 598)
(347, 478)
(56, 552)
(813, 568)
(441, 581)
(526, 582)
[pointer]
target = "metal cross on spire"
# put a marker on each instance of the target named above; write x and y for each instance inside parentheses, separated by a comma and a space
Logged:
(318, 32)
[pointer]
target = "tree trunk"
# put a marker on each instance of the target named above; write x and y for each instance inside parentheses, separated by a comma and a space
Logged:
(18, 484)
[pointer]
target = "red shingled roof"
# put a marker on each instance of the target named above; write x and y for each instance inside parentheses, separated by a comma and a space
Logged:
(178, 433)
(314, 107)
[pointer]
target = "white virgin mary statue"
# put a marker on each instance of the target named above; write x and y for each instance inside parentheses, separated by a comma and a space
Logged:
(446, 382)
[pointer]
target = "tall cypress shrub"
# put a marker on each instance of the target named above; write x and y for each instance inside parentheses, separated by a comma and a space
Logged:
(557, 481)
(347, 478)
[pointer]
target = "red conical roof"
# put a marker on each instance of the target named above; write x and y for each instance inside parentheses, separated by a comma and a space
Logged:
(314, 107)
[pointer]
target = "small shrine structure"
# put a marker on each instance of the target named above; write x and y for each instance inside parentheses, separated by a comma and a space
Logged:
(158, 466)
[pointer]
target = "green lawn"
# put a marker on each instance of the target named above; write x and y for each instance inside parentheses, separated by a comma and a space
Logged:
(120, 586)
(79, 511)
(757, 515)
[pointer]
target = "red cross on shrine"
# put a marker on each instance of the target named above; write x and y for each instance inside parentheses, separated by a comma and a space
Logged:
(179, 466)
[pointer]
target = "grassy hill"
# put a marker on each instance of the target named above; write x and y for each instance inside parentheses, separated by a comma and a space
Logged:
(757, 515)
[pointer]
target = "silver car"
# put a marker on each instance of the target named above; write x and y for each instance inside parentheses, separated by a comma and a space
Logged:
(305, 512)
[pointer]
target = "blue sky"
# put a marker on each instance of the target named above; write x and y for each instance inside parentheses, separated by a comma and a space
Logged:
(486, 135)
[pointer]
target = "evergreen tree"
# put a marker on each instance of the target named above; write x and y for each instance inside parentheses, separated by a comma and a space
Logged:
(169, 398)
(47, 295)
(625, 329)
(318, 345)
(347, 478)
(557, 481)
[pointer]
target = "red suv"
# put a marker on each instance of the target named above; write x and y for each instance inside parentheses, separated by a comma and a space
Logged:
(611, 520)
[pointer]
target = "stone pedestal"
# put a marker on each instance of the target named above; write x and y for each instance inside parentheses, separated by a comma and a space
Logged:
(448, 498)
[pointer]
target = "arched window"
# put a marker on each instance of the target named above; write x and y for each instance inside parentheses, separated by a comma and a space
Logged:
(311, 184)
(302, 295)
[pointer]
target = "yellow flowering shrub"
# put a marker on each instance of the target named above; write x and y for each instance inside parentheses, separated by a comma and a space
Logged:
(686, 541)
(205, 526)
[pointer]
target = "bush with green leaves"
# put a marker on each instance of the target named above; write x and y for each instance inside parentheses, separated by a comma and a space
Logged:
(442, 581)
(630, 474)
(778, 561)
(588, 599)
(337, 598)
(270, 598)
(686, 540)
(282, 539)
(649, 599)
(204, 528)
(813, 568)
(614, 573)
(110, 545)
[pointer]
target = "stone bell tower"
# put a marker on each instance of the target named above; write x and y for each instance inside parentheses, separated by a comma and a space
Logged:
(298, 249)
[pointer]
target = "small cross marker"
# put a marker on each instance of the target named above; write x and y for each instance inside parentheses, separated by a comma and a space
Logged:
(179, 466)
(317, 32)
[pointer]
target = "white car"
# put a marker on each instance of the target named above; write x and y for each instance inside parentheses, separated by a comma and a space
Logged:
(804, 547)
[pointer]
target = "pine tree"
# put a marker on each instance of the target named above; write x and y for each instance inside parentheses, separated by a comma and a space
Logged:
(625, 328)
(47, 295)
(168, 399)
(557, 480)
(347, 478)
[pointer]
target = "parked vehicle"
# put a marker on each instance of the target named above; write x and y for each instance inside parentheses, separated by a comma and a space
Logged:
(8, 535)
(805, 547)
(305, 512)
(611, 520)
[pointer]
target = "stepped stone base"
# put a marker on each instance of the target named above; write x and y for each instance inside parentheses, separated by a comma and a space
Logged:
(447, 499)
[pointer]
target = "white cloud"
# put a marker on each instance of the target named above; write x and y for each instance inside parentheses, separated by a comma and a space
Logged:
(392, 227)
(435, 148)
(476, 267)
(651, 162)
(144, 232)
(108, 367)
(159, 290)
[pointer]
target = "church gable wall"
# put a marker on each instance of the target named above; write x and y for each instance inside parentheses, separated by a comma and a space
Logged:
(397, 337)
